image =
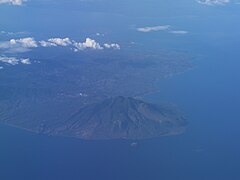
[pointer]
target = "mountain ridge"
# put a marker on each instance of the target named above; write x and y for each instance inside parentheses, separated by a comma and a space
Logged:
(123, 118)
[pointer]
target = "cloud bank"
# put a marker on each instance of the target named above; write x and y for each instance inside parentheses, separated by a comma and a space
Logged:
(12, 33)
(14, 60)
(213, 2)
(89, 43)
(60, 42)
(153, 28)
(18, 45)
(167, 28)
(114, 46)
(179, 32)
(13, 2)
(26, 44)
(29, 43)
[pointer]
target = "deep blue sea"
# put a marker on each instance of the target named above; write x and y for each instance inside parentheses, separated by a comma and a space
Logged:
(209, 149)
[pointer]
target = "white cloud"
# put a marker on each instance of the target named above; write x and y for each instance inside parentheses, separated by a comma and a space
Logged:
(46, 44)
(113, 46)
(13, 2)
(14, 60)
(88, 44)
(179, 32)
(213, 2)
(9, 60)
(159, 28)
(60, 41)
(18, 45)
(12, 33)
(1, 67)
(100, 34)
(25, 61)
(56, 42)
(26, 44)
(153, 28)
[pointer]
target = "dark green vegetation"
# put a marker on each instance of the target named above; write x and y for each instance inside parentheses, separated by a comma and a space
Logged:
(82, 95)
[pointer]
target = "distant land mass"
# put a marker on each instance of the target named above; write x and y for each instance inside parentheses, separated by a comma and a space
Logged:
(91, 95)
